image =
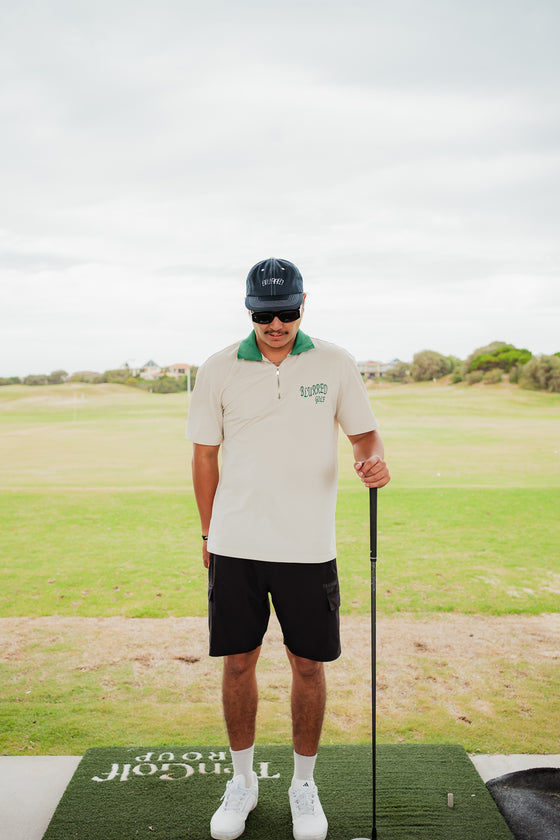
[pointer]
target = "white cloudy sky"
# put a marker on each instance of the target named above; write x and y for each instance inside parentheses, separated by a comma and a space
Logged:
(405, 154)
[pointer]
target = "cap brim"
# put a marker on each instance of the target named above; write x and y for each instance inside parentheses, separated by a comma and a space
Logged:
(273, 303)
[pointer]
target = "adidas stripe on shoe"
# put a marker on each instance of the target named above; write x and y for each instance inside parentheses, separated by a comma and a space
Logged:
(308, 817)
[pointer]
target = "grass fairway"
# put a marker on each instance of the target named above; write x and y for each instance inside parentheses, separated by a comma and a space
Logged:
(98, 519)
(136, 554)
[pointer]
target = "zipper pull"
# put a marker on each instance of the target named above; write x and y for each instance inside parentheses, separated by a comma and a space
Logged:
(278, 380)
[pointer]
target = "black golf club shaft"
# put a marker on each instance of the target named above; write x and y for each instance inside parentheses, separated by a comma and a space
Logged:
(373, 562)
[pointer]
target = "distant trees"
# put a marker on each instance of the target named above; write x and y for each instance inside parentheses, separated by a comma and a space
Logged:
(472, 378)
(36, 379)
(488, 365)
(118, 376)
(166, 385)
(492, 376)
(85, 376)
(57, 377)
(428, 364)
(498, 355)
(399, 372)
(542, 373)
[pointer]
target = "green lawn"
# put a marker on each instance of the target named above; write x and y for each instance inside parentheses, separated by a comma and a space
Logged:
(97, 518)
(137, 554)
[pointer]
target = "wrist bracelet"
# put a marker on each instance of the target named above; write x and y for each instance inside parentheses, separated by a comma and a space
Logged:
(204, 538)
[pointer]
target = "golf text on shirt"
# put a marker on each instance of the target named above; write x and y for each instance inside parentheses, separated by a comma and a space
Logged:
(319, 392)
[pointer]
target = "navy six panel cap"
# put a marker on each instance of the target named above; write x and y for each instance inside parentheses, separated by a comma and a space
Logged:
(274, 284)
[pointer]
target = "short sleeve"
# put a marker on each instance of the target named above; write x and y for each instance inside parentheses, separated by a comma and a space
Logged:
(205, 417)
(354, 412)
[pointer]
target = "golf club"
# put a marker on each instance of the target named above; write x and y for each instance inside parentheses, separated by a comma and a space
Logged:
(373, 563)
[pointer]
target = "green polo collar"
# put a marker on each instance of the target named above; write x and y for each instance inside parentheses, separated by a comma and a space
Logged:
(249, 350)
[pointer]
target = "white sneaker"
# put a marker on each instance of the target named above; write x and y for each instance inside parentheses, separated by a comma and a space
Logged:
(308, 816)
(237, 802)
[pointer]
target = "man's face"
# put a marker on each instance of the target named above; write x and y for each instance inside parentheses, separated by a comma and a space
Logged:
(278, 335)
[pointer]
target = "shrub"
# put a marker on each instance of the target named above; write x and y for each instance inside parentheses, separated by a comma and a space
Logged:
(166, 385)
(428, 364)
(474, 377)
(498, 355)
(117, 376)
(515, 373)
(542, 373)
(36, 379)
(86, 376)
(398, 373)
(57, 377)
(492, 377)
(459, 373)
(482, 351)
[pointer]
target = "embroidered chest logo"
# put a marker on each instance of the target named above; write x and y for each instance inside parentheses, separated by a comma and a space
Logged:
(316, 392)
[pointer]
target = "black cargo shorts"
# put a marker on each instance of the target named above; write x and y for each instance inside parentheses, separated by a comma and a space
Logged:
(306, 599)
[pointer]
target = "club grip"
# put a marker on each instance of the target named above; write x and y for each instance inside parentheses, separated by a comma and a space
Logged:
(373, 524)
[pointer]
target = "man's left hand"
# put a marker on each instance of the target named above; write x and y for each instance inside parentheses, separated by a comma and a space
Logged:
(373, 472)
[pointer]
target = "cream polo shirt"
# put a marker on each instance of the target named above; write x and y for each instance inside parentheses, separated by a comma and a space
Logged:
(278, 428)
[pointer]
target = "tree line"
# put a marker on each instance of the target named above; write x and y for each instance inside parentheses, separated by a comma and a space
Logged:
(489, 364)
(119, 376)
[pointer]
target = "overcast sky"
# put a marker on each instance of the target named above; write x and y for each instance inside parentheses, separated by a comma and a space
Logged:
(404, 154)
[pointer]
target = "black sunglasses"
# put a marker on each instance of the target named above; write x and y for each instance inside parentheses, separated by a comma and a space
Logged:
(285, 315)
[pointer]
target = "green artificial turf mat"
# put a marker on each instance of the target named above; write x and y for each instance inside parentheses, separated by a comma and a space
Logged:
(170, 793)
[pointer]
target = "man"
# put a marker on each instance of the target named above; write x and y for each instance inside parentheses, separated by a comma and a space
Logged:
(273, 403)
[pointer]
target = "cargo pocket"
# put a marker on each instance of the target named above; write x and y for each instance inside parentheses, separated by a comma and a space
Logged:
(211, 576)
(332, 591)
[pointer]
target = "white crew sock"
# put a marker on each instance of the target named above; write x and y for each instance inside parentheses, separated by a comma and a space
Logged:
(243, 764)
(303, 767)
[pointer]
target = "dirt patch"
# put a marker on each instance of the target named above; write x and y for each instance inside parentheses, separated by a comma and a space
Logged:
(448, 655)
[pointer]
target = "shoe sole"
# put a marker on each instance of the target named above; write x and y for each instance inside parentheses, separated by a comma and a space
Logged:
(321, 836)
(220, 836)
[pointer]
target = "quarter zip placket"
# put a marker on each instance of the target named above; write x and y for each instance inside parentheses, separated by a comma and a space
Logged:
(278, 380)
